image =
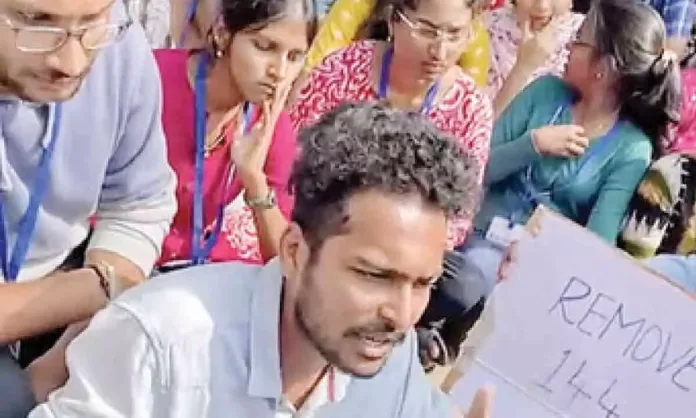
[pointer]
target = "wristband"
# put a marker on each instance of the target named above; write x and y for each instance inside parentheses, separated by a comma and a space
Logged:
(266, 202)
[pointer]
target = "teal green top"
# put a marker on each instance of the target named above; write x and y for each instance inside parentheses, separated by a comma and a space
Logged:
(595, 195)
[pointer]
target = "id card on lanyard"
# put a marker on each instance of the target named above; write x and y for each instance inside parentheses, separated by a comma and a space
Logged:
(12, 260)
(503, 231)
(383, 87)
(585, 161)
(201, 245)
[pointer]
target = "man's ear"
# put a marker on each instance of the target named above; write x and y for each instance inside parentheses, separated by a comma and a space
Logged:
(293, 251)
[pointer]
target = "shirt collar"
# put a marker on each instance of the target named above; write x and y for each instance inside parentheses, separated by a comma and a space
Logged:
(332, 388)
(8, 98)
(48, 110)
(265, 374)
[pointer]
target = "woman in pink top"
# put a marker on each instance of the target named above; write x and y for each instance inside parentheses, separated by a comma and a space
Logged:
(417, 70)
(229, 141)
(685, 135)
(529, 38)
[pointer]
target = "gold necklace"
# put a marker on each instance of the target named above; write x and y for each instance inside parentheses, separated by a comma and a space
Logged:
(220, 131)
(214, 144)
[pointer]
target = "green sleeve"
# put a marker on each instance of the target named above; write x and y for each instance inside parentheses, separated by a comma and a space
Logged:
(511, 143)
(616, 192)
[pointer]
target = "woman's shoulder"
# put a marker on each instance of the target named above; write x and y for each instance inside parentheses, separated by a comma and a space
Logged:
(349, 66)
(633, 133)
(345, 64)
(635, 145)
(501, 17)
(549, 81)
(548, 87)
(466, 112)
(172, 67)
(355, 52)
(167, 58)
(467, 90)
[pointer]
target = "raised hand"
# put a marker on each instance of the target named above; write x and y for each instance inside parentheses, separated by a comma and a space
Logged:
(537, 46)
(560, 140)
(249, 151)
(482, 405)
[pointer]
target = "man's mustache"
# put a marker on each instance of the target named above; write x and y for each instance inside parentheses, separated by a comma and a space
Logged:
(378, 330)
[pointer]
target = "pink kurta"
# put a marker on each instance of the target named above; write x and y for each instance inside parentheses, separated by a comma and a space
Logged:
(238, 238)
(464, 111)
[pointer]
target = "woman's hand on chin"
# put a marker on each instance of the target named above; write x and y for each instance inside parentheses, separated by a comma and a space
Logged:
(249, 150)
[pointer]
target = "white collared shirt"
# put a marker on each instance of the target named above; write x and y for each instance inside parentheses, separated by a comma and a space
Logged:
(203, 343)
(331, 388)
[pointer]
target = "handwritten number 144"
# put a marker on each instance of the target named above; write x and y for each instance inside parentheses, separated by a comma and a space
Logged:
(576, 387)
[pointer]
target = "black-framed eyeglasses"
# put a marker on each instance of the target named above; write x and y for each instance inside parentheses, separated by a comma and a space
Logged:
(46, 39)
(432, 34)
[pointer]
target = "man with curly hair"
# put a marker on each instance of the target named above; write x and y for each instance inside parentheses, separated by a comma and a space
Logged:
(325, 330)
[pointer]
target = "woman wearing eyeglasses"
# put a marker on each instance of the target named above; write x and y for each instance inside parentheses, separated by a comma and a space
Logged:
(230, 142)
(416, 70)
(580, 145)
(529, 38)
(349, 20)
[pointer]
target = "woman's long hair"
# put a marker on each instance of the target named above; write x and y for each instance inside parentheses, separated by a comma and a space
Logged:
(633, 35)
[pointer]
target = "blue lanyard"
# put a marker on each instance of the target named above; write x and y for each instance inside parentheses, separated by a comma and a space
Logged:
(190, 15)
(201, 245)
(531, 196)
(384, 83)
(11, 263)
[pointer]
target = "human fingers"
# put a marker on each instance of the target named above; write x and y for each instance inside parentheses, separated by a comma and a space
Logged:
(482, 405)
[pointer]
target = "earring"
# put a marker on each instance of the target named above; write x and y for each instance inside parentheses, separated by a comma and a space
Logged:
(599, 76)
(217, 51)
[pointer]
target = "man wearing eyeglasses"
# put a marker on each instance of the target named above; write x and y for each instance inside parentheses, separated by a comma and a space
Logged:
(81, 146)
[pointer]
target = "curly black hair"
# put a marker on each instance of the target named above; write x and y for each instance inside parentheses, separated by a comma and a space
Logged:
(368, 146)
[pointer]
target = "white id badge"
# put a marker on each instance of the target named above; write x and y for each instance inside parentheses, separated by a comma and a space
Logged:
(502, 234)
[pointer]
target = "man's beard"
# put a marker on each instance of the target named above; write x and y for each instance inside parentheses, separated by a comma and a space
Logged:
(7, 85)
(309, 322)
(13, 87)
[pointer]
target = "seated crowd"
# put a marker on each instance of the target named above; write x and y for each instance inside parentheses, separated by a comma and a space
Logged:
(281, 213)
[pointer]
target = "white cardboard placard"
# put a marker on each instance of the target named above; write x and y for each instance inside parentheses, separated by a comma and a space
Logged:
(583, 331)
